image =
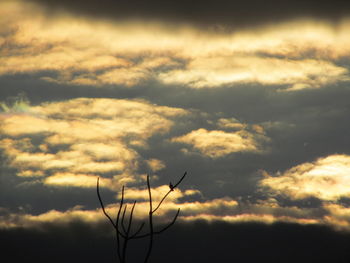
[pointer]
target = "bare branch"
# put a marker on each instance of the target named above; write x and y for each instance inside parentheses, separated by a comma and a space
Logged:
(120, 207)
(161, 201)
(149, 194)
(138, 231)
(122, 222)
(180, 180)
(170, 192)
(127, 231)
(163, 229)
(170, 224)
(150, 216)
(130, 218)
(117, 225)
(101, 202)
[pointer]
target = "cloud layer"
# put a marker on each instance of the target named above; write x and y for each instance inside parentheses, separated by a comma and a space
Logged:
(293, 56)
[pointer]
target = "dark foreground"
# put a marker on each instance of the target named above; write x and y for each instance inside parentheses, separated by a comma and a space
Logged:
(191, 242)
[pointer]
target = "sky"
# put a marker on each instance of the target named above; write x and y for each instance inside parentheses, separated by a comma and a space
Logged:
(251, 98)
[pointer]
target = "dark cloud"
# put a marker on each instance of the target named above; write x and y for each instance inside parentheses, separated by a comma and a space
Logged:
(220, 12)
(190, 242)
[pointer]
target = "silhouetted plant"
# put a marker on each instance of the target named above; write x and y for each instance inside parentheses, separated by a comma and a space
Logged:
(123, 231)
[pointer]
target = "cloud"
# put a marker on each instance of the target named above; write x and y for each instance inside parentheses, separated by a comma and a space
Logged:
(267, 219)
(78, 180)
(71, 142)
(231, 123)
(214, 72)
(157, 194)
(221, 209)
(263, 211)
(217, 143)
(189, 210)
(11, 220)
(339, 216)
(327, 178)
(16, 104)
(303, 54)
(155, 164)
(31, 173)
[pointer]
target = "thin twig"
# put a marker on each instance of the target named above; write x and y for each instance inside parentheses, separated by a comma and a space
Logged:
(180, 180)
(120, 206)
(138, 231)
(163, 229)
(130, 218)
(150, 216)
(127, 231)
(161, 201)
(170, 224)
(122, 222)
(110, 219)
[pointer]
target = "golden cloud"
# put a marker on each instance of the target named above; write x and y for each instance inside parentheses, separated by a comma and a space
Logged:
(94, 137)
(72, 179)
(31, 173)
(219, 143)
(222, 209)
(157, 193)
(141, 211)
(299, 55)
(339, 216)
(298, 74)
(231, 123)
(12, 220)
(267, 219)
(155, 164)
(327, 178)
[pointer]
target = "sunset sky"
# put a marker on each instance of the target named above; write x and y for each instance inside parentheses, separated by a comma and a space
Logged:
(251, 98)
